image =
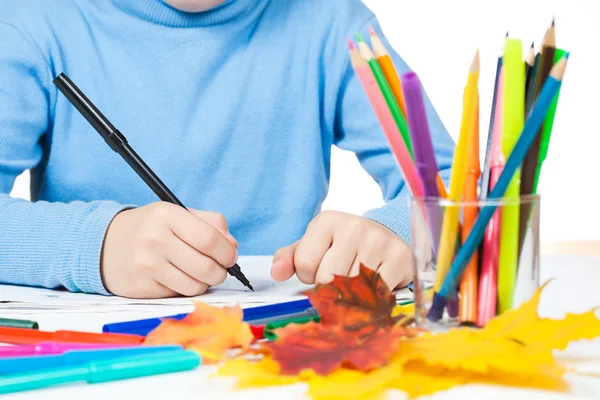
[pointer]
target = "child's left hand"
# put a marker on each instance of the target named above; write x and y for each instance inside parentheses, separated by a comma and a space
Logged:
(337, 243)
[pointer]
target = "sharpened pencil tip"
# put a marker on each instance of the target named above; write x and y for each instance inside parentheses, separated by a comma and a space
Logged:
(372, 31)
(506, 34)
(553, 20)
(350, 44)
(358, 37)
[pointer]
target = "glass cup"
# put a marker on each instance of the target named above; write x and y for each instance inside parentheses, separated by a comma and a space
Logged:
(454, 286)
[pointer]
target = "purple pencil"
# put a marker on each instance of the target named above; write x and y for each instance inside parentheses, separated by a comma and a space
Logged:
(423, 150)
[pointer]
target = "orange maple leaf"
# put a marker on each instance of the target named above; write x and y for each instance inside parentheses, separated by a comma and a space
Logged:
(325, 348)
(210, 331)
(361, 304)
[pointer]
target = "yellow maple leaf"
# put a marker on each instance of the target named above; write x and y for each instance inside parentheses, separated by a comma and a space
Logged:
(352, 384)
(525, 326)
(256, 373)
(211, 331)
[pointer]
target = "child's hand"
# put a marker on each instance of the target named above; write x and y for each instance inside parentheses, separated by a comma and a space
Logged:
(336, 243)
(162, 250)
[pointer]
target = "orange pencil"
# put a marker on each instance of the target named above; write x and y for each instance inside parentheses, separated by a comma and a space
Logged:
(391, 75)
(387, 65)
(469, 283)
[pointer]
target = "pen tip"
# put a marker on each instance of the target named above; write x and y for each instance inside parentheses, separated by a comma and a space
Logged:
(251, 288)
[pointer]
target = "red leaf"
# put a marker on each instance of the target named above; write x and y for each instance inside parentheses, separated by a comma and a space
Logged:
(361, 304)
(325, 348)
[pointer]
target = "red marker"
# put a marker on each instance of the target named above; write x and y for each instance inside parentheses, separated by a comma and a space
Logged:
(30, 336)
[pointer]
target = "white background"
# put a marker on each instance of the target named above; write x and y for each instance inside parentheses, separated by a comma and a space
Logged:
(438, 39)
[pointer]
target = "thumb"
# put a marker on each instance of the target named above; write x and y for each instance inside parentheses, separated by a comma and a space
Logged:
(283, 263)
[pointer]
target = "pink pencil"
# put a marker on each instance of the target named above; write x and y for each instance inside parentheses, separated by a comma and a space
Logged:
(390, 129)
(488, 284)
(49, 348)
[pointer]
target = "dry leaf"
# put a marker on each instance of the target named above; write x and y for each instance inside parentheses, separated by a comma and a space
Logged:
(324, 348)
(351, 384)
(256, 373)
(362, 304)
(525, 326)
(210, 331)
(515, 349)
(470, 351)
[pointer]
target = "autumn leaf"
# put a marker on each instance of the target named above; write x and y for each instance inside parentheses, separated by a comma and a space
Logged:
(361, 304)
(525, 326)
(517, 343)
(324, 348)
(211, 331)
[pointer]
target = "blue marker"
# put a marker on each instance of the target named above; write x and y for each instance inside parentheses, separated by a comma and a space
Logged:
(103, 371)
(15, 365)
(144, 326)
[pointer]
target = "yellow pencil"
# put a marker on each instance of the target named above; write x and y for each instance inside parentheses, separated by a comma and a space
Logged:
(512, 125)
(457, 179)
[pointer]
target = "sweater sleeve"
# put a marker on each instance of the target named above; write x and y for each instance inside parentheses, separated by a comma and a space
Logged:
(358, 130)
(41, 244)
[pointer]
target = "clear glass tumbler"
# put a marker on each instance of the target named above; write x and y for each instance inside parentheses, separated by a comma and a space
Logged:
(454, 285)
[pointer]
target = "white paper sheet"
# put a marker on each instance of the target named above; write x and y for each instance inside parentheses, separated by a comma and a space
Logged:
(15, 299)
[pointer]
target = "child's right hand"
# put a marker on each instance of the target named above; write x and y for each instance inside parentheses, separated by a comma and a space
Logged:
(163, 250)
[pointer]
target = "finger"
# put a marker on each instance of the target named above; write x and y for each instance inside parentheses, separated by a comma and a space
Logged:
(370, 259)
(283, 263)
(218, 221)
(396, 269)
(311, 249)
(202, 236)
(337, 261)
(179, 282)
(193, 263)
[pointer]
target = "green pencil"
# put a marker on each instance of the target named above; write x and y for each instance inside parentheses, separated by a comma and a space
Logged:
(18, 323)
(369, 56)
(547, 129)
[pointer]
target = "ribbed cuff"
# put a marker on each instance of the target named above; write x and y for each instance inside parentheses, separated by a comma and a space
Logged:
(85, 260)
(395, 215)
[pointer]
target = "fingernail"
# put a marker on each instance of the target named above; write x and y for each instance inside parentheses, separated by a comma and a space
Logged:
(277, 263)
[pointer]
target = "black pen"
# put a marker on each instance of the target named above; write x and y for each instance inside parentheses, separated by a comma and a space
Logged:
(115, 139)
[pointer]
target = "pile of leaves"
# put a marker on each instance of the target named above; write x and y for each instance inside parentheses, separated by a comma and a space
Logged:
(361, 348)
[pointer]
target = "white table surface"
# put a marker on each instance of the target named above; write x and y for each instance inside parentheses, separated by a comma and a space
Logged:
(574, 290)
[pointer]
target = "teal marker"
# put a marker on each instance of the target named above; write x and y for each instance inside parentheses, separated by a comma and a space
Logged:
(103, 371)
(72, 358)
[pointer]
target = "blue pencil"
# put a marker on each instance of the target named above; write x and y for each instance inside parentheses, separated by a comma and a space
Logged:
(530, 130)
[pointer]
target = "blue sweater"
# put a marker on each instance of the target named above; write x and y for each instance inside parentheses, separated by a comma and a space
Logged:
(236, 109)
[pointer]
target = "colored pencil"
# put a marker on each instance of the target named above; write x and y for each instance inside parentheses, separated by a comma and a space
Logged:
(451, 214)
(485, 176)
(547, 130)
(391, 74)
(488, 283)
(366, 52)
(529, 167)
(388, 125)
(469, 282)
(529, 63)
(513, 120)
(530, 130)
(389, 70)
